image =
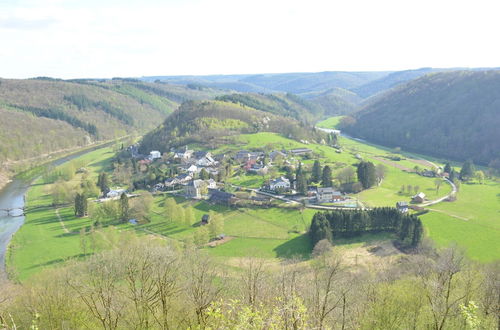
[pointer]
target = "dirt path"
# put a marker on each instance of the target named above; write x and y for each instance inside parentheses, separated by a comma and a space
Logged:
(450, 214)
(393, 164)
(62, 222)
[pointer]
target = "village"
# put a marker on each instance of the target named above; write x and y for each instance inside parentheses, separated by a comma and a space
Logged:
(202, 175)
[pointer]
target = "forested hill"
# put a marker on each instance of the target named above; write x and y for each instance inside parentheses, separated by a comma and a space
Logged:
(44, 115)
(454, 115)
(211, 122)
(287, 105)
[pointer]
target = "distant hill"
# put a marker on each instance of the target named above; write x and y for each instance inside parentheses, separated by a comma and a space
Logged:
(211, 122)
(335, 101)
(452, 114)
(287, 105)
(296, 83)
(45, 115)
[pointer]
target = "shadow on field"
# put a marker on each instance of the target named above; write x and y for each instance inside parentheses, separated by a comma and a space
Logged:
(298, 247)
(60, 260)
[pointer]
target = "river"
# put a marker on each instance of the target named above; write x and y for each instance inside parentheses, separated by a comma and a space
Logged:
(12, 196)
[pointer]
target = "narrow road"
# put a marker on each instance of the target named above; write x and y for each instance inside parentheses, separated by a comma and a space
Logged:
(61, 222)
(439, 200)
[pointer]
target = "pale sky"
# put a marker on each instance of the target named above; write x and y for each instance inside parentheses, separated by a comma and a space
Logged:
(120, 38)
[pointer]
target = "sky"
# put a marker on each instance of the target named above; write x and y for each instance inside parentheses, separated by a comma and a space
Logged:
(120, 38)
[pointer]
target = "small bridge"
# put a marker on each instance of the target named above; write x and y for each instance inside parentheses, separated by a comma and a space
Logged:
(13, 212)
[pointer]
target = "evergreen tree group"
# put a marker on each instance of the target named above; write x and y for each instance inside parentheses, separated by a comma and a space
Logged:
(81, 206)
(103, 182)
(351, 223)
(367, 174)
(124, 207)
(326, 180)
(301, 181)
(316, 172)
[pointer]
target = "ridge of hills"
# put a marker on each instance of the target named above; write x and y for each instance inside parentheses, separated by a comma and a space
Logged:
(44, 115)
(448, 114)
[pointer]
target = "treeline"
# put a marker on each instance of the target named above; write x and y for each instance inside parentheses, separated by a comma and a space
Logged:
(82, 102)
(349, 223)
(59, 115)
(151, 284)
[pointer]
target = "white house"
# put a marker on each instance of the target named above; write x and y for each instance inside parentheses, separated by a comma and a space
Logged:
(183, 153)
(328, 194)
(280, 183)
(199, 188)
(155, 154)
(115, 193)
(206, 161)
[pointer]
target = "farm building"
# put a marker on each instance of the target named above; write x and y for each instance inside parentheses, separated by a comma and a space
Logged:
(418, 198)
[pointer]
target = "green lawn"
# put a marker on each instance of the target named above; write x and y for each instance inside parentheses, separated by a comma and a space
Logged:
(472, 221)
(331, 122)
(41, 241)
(273, 232)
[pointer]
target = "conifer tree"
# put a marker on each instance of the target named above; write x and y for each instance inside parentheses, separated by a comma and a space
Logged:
(316, 172)
(326, 180)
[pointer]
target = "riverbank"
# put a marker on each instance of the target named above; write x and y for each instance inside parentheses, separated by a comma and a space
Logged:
(10, 169)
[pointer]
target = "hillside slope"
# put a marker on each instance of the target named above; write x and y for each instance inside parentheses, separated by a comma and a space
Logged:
(453, 114)
(287, 105)
(210, 122)
(45, 115)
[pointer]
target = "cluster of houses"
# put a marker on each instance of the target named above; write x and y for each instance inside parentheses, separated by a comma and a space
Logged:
(191, 163)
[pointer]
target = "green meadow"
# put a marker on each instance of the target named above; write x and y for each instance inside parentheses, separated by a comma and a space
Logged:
(472, 222)
(42, 241)
(331, 122)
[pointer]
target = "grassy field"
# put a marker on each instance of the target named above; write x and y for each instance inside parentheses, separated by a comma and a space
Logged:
(472, 221)
(42, 241)
(331, 122)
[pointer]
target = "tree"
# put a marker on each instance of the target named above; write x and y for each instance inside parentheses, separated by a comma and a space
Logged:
(480, 176)
(103, 183)
(326, 178)
(204, 174)
(216, 226)
(467, 170)
(367, 174)
(80, 205)
(416, 189)
(447, 168)
(188, 216)
(170, 209)
(321, 248)
(380, 171)
(124, 207)
(201, 236)
(346, 175)
(438, 183)
(316, 172)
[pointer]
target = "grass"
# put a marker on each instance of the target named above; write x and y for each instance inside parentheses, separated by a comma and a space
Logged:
(41, 242)
(331, 122)
(472, 221)
(274, 232)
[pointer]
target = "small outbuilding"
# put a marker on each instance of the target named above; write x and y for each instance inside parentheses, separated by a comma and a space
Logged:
(418, 198)
(402, 206)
